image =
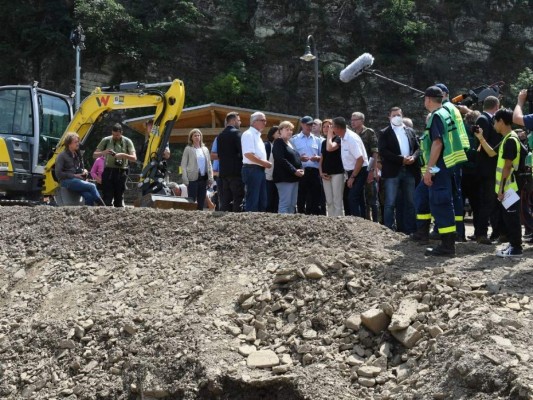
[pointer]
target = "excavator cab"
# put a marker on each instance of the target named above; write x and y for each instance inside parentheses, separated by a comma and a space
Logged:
(32, 121)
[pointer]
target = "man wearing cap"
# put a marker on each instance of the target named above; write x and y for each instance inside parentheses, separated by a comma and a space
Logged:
(118, 151)
(460, 134)
(309, 147)
(440, 153)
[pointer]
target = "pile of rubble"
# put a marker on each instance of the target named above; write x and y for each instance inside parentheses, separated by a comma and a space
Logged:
(138, 303)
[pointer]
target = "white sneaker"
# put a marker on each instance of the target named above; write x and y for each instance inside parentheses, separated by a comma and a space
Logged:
(509, 251)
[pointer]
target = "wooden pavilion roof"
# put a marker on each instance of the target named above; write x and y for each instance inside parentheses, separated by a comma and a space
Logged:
(209, 118)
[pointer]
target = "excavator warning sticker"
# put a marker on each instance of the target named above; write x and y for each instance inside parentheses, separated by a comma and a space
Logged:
(119, 100)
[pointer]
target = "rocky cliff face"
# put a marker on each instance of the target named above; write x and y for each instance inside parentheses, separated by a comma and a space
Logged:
(464, 44)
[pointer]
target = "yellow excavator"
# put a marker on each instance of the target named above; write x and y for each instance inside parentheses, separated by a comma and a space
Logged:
(33, 123)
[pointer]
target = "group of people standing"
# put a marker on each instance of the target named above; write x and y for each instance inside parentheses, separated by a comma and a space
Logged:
(326, 168)
(395, 176)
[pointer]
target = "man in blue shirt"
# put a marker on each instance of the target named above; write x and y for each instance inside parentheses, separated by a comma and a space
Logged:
(309, 147)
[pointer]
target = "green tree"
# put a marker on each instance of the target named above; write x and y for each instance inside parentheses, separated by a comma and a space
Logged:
(109, 28)
(402, 28)
(523, 81)
(35, 42)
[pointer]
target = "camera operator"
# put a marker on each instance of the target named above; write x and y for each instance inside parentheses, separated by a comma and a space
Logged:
(118, 151)
(71, 174)
(518, 115)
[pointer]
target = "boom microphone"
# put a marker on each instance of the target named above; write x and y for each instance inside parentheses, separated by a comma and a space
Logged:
(357, 67)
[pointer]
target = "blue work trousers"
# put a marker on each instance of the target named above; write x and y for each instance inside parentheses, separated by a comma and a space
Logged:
(436, 201)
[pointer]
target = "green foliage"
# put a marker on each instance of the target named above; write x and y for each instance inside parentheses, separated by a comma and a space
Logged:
(225, 89)
(523, 81)
(109, 28)
(35, 40)
(238, 87)
(402, 29)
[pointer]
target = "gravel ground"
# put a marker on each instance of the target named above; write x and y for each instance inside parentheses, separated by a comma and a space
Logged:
(97, 303)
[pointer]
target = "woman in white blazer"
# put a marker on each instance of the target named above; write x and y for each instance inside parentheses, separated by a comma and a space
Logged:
(197, 171)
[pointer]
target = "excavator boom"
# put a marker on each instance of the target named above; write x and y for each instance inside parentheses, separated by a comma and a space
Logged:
(168, 104)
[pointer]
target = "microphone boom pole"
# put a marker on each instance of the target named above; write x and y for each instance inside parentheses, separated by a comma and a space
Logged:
(375, 73)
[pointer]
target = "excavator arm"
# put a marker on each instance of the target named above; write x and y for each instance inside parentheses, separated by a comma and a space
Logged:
(126, 96)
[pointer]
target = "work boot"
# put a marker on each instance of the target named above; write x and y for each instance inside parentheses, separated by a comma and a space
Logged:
(422, 234)
(446, 248)
(434, 235)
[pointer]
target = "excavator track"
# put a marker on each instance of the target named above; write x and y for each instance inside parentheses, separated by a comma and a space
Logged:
(25, 203)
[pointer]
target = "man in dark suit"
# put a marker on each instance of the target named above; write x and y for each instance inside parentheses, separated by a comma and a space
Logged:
(229, 153)
(399, 150)
(486, 170)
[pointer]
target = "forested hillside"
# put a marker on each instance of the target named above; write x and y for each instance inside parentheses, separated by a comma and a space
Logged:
(246, 52)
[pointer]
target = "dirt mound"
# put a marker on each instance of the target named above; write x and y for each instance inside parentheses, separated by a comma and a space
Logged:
(140, 304)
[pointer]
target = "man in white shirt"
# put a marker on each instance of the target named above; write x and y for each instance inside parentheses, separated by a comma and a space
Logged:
(254, 162)
(355, 163)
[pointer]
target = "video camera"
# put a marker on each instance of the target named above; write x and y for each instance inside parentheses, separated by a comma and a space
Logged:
(478, 95)
(529, 97)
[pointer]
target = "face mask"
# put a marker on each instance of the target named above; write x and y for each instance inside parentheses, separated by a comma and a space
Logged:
(397, 120)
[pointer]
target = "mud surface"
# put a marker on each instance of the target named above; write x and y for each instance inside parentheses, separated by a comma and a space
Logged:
(97, 303)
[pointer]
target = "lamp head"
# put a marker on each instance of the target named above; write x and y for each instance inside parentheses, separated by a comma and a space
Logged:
(308, 56)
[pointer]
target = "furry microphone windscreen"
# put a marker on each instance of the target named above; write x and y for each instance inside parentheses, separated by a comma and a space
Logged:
(357, 67)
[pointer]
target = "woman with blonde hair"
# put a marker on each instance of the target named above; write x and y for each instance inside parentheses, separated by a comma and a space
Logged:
(197, 171)
(287, 169)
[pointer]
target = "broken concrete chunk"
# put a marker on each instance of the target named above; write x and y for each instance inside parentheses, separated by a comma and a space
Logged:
(246, 350)
(353, 322)
(313, 272)
(405, 314)
(408, 337)
(262, 359)
(368, 371)
(375, 320)
(435, 331)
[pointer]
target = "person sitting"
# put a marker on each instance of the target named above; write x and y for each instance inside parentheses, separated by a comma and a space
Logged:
(71, 174)
(178, 190)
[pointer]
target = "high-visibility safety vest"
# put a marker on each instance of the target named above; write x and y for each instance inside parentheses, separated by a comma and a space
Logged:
(510, 182)
(459, 124)
(453, 152)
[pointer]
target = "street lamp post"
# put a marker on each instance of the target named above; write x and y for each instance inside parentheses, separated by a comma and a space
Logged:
(308, 56)
(77, 38)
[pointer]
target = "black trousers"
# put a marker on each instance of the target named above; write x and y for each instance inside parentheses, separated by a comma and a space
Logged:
(114, 185)
(470, 188)
(272, 197)
(309, 192)
(488, 210)
(511, 220)
(232, 194)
